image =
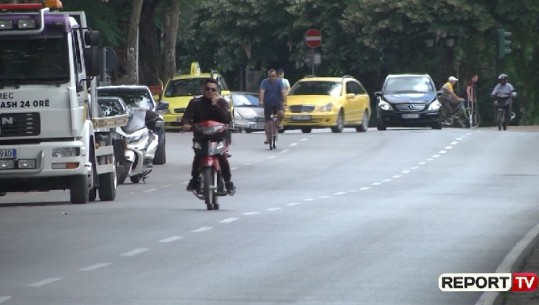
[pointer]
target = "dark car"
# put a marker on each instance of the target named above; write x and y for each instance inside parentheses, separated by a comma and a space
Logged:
(140, 96)
(248, 115)
(408, 100)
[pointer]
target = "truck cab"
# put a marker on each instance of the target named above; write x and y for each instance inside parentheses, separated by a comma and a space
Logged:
(51, 137)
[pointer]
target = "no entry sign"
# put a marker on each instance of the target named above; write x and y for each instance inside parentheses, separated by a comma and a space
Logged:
(313, 38)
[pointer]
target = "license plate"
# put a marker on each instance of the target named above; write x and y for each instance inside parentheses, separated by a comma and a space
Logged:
(410, 116)
(301, 117)
(256, 126)
(8, 154)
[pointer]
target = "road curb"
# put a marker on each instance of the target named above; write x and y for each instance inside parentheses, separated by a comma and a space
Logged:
(513, 262)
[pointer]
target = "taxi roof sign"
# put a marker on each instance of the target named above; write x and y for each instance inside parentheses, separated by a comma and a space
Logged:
(195, 68)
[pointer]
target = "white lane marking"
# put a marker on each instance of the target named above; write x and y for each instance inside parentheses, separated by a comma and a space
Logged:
(376, 183)
(167, 185)
(293, 204)
(270, 157)
(325, 196)
(430, 159)
(251, 213)
(339, 193)
(422, 163)
(44, 282)
(150, 190)
(454, 143)
(135, 252)
(201, 229)
(414, 167)
(293, 144)
(304, 139)
(388, 180)
(273, 209)
(396, 176)
(435, 156)
(308, 199)
(448, 147)
(228, 220)
(459, 139)
(442, 151)
(170, 239)
(94, 267)
(284, 151)
(3, 299)
(405, 171)
(365, 188)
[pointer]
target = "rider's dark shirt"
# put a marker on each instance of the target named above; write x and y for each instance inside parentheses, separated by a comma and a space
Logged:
(200, 109)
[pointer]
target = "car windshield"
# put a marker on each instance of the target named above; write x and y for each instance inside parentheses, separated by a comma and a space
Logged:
(131, 96)
(111, 106)
(409, 84)
(245, 100)
(317, 88)
(184, 87)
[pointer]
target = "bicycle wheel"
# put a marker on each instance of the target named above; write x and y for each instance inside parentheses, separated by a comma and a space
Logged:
(500, 118)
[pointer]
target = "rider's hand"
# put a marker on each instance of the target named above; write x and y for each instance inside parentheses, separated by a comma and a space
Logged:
(186, 127)
(215, 98)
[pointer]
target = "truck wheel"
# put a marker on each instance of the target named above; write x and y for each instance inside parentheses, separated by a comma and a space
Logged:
(107, 186)
(78, 189)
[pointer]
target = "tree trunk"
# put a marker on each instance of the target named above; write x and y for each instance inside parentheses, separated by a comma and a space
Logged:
(149, 44)
(132, 42)
(170, 34)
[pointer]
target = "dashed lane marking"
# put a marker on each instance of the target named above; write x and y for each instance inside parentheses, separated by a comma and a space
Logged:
(94, 267)
(274, 209)
(251, 213)
(228, 220)
(44, 282)
(150, 190)
(135, 252)
(3, 299)
(202, 229)
(170, 239)
(291, 204)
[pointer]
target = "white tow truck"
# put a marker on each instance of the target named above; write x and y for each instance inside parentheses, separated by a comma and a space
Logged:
(51, 137)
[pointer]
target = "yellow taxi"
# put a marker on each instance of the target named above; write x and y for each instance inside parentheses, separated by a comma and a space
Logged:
(327, 102)
(182, 88)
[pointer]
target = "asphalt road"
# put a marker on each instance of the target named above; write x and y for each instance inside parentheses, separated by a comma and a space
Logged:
(338, 219)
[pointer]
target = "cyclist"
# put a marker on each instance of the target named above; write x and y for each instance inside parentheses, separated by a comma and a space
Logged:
(450, 101)
(210, 106)
(273, 98)
(503, 89)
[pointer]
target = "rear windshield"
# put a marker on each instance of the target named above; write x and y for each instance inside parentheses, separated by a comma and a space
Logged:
(184, 87)
(131, 96)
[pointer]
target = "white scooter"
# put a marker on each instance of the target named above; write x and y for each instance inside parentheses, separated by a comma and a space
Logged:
(141, 147)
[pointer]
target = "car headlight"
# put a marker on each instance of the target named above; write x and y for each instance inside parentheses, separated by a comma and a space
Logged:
(163, 111)
(325, 108)
(59, 152)
(435, 106)
(385, 105)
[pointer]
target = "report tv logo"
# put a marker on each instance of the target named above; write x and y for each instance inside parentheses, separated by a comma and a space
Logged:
(518, 281)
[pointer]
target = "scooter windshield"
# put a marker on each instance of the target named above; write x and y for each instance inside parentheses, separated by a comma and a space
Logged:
(137, 116)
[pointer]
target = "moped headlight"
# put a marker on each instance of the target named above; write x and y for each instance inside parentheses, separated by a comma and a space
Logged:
(434, 106)
(197, 145)
(385, 105)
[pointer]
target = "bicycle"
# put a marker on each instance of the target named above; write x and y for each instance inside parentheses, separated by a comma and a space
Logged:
(273, 131)
(502, 105)
(464, 116)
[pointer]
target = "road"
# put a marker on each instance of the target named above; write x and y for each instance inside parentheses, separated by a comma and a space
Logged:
(338, 219)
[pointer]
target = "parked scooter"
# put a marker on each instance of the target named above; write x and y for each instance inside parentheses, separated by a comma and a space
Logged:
(211, 143)
(142, 144)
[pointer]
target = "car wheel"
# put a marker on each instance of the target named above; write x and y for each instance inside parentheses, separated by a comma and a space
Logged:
(437, 125)
(380, 125)
(365, 124)
(306, 129)
(160, 154)
(339, 124)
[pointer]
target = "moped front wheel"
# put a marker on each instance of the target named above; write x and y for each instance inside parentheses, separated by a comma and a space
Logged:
(210, 188)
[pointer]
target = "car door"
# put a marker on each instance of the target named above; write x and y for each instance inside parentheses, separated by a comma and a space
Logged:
(364, 101)
(352, 113)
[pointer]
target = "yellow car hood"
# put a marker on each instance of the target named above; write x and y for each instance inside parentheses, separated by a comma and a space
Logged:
(178, 102)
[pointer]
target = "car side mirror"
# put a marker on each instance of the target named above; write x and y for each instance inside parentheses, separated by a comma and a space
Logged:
(439, 93)
(378, 93)
(350, 96)
(159, 124)
(162, 106)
